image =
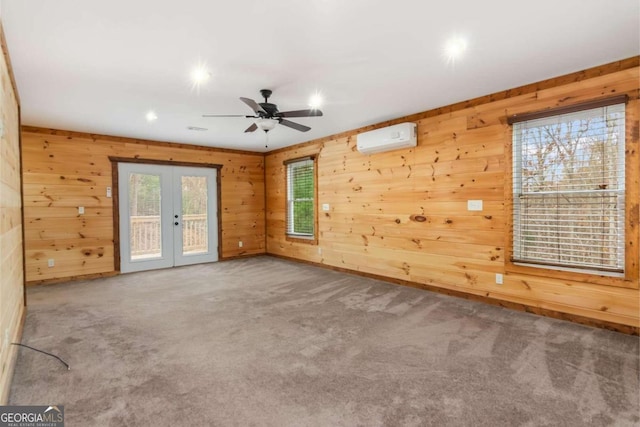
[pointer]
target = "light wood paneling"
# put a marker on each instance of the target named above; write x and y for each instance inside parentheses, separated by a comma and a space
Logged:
(64, 170)
(11, 259)
(462, 154)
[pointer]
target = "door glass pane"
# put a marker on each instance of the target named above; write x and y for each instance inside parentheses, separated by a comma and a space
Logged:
(194, 215)
(144, 216)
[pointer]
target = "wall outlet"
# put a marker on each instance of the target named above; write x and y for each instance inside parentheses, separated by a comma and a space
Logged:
(499, 279)
(80, 210)
(51, 263)
(325, 207)
(474, 205)
(240, 243)
(319, 250)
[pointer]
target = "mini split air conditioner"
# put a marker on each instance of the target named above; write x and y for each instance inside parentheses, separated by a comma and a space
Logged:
(390, 138)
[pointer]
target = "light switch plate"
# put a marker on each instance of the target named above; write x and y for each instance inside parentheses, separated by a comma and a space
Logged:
(325, 207)
(474, 205)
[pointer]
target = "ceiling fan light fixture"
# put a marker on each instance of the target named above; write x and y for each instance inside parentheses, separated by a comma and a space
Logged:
(266, 124)
(267, 115)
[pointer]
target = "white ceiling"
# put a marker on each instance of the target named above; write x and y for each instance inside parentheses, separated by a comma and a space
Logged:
(99, 66)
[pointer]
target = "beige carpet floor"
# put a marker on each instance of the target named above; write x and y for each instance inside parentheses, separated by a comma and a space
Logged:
(263, 341)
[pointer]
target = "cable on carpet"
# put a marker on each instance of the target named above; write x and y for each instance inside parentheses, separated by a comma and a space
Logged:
(43, 352)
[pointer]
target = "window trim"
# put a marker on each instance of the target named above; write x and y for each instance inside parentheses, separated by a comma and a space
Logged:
(311, 240)
(628, 279)
(566, 109)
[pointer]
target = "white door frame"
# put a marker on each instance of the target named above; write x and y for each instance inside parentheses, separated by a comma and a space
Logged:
(170, 188)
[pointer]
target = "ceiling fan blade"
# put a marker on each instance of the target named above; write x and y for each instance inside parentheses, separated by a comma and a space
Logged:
(224, 115)
(251, 128)
(293, 125)
(301, 113)
(253, 105)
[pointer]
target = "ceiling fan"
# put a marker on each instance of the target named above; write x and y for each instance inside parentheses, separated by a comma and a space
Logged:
(268, 116)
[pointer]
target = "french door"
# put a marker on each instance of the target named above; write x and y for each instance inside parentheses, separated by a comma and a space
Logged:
(168, 216)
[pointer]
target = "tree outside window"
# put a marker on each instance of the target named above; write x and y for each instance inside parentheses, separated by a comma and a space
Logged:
(569, 187)
(301, 198)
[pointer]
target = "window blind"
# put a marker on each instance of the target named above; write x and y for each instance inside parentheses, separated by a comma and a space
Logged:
(569, 189)
(300, 198)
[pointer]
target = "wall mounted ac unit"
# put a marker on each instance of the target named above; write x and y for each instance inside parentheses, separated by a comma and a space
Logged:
(390, 138)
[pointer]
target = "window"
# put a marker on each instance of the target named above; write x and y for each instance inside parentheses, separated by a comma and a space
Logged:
(569, 188)
(301, 198)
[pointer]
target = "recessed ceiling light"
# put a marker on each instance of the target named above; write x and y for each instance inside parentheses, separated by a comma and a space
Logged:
(196, 128)
(316, 100)
(454, 48)
(151, 116)
(199, 75)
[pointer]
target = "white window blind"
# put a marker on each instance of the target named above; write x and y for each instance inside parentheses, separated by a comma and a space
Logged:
(300, 198)
(569, 190)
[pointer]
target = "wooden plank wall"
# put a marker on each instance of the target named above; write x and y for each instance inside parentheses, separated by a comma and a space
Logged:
(462, 154)
(11, 265)
(63, 170)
